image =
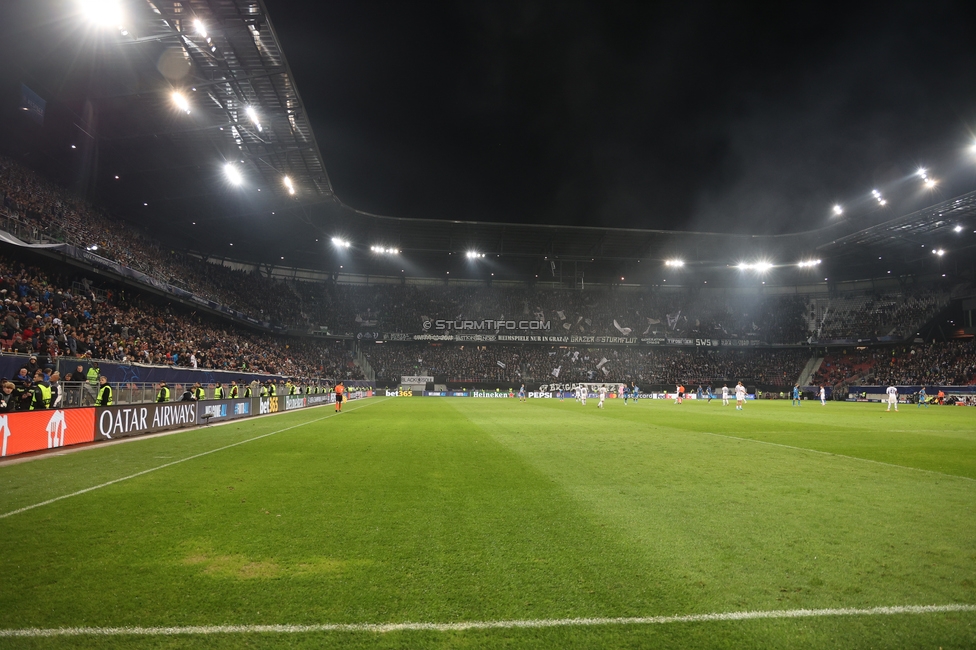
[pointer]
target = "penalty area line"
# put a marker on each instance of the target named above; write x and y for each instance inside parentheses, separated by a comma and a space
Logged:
(831, 453)
(170, 464)
(481, 625)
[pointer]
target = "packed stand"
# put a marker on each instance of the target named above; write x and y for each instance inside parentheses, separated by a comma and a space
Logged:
(878, 315)
(41, 314)
(514, 364)
(930, 364)
(627, 313)
(51, 213)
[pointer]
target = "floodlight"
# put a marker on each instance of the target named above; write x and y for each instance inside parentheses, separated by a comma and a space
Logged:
(251, 113)
(198, 25)
(674, 263)
(107, 13)
(957, 229)
(474, 255)
(930, 183)
(341, 243)
(807, 263)
(762, 267)
(938, 251)
(233, 174)
(288, 184)
(838, 210)
(921, 172)
(180, 101)
(883, 202)
(876, 193)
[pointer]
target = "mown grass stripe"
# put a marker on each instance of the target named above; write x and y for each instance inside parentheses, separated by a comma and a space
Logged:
(832, 453)
(170, 464)
(482, 625)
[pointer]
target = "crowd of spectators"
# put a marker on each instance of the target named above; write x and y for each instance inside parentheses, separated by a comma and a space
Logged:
(616, 312)
(42, 314)
(644, 365)
(879, 315)
(49, 212)
(931, 364)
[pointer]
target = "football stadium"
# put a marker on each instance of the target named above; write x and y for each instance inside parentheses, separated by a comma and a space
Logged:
(499, 377)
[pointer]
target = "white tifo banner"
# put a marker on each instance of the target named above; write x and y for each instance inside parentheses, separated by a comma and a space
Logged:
(416, 379)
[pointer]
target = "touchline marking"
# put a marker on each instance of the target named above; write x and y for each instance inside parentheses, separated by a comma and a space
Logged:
(479, 625)
(830, 453)
(175, 462)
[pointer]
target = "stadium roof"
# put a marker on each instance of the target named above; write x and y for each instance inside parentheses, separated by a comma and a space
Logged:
(164, 164)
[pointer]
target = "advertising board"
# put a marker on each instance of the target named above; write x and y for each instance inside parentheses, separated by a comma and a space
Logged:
(46, 429)
(293, 402)
(228, 409)
(123, 421)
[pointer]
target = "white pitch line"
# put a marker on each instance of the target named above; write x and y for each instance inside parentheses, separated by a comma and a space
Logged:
(165, 465)
(480, 625)
(830, 453)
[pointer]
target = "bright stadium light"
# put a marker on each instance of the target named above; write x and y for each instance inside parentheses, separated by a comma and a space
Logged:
(199, 27)
(384, 250)
(253, 116)
(761, 267)
(676, 263)
(838, 210)
(341, 243)
(957, 229)
(181, 101)
(938, 251)
(474, 255)
(107, 13)
(930, 183)
(289, 185)
(233, 174)
(808, 263)
(921, 172)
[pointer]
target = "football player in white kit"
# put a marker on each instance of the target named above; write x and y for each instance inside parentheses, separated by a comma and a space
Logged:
(823, 396)
(583, 391)
(892, 397)
(740, 396)
(725, 395)
(602, 391)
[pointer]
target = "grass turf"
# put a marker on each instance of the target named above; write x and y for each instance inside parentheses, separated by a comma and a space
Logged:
(428, 510)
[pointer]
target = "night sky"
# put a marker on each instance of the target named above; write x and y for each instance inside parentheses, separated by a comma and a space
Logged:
(728, 117)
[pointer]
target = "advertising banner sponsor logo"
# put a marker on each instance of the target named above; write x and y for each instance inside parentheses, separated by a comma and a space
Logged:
(489, 394)
(489, 325)
(416, 379)
(47, 429)
(124, 421)
(399, 393)
(223, 410)
(293, 402)
(313, 400)
(268, 405)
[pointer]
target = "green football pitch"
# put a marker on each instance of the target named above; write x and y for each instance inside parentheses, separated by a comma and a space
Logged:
(444, 523)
